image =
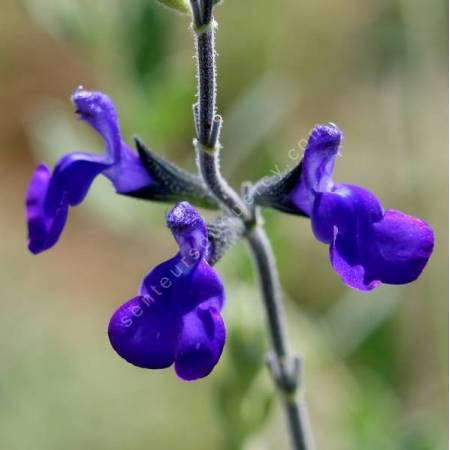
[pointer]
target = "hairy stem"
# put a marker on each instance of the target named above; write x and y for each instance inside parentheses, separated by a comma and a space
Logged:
(284, 368)
(206, 71)
(209, 166)
(207, 83)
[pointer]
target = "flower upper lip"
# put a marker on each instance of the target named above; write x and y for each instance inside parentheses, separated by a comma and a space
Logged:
(82, 101)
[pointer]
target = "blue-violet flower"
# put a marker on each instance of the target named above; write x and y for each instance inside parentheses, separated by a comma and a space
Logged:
(368, 246)
(175, 319)
(49, 195)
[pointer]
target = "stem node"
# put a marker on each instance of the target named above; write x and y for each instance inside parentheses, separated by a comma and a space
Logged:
(285, 372)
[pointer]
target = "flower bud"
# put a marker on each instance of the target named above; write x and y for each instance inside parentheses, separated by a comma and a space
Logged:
(181, 6)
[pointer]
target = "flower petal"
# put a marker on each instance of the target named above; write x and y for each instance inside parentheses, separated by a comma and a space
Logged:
(159, 282)
(349, 208)
(204, 288)
(178, 283)
(43, 230)
(343, 218)
(98, 110)
(189, 230)
(176, 315)
(200, 343)
(126, 171)
(346, 261)
(144, 333)
(368, 246)
(199, 284)
(401, 247)
(73, 176)
(49, 196)
(317, 166)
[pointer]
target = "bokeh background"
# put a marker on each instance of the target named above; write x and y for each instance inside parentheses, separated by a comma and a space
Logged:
(375, 364)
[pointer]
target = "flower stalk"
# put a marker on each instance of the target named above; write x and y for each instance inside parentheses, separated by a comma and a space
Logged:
(284, 368)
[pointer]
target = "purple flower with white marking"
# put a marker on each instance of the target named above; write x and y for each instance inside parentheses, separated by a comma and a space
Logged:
(50, 195)
(175, 319)
(368, 245)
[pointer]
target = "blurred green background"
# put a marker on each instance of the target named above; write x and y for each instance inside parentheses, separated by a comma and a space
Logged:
(376, 364)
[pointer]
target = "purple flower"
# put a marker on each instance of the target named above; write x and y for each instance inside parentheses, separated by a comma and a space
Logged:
(50, 194)
(175, 319)
(368, 246)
